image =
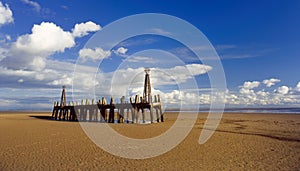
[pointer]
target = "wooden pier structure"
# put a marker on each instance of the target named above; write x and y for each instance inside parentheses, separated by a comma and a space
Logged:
(111, 112)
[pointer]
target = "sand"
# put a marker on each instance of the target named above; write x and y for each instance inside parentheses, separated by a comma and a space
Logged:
(30, 141)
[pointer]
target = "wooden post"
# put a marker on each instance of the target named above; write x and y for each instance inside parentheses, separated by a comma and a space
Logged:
(57, 110)
(82, 110)
(122, 110)
(157, 115)
(132, 109)
(151, 114)
(111, 111)
(161, 114)
(127, 115)
(103, 109)
(136, 111)
(54, 108)
(143, 115)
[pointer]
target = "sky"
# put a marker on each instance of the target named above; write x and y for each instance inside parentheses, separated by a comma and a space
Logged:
(47, 44)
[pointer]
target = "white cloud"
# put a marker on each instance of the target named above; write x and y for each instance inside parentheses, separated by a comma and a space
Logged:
(64, 80)
(30, 51)
(6, 15)
(250, 84)
(271, 82)
(7, 37)
(283, 90)
(198, 69)
(39, 78)
(246, 91)
(3, 53)
(94, 54)
(35, 5)
(83, 29)
(249, 96)
(58, 73)
(263, 93)
(132, 78)
(121, 51)
(176, 97)
(45, 38)
(178, 74)
(298, 87)
(55, 74)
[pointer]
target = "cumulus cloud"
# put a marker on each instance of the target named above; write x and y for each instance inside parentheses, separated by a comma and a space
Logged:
(249, 96)
(246, 91)
(283, 90)
(45, 38)
(83, 29)
(251, 84)
(64, 80)
(177, 96)
(30, 51)
(248, 86)
(35, 5)
(271, 82)
(121, 51)
(6, 15)
(94, 54)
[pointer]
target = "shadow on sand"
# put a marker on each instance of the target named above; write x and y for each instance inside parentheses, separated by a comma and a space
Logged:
(42, 117)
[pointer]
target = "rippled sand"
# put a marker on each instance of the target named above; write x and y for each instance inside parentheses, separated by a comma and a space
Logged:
(242, 142)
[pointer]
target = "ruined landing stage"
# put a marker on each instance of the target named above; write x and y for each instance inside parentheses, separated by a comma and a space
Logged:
(103, 112)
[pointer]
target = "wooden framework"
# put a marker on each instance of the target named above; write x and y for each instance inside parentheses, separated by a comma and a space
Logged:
(112, 112)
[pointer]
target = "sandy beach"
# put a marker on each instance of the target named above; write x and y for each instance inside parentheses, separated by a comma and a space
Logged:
(30, 141)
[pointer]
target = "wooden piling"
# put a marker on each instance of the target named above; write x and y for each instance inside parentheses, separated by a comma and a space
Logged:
(103, 112)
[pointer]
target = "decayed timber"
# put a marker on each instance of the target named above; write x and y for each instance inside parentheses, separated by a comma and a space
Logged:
(104, 112)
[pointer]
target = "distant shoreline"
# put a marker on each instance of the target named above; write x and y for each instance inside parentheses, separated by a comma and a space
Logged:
(226, 110)
(275, 110)
(240, 111)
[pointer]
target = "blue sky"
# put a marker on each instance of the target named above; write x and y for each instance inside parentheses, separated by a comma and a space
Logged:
(257, 42)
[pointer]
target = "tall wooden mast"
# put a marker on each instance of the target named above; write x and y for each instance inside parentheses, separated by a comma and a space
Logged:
(63, 101)
(147, 87)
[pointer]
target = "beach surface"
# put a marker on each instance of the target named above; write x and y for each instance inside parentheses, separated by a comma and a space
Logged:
(31, 141)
